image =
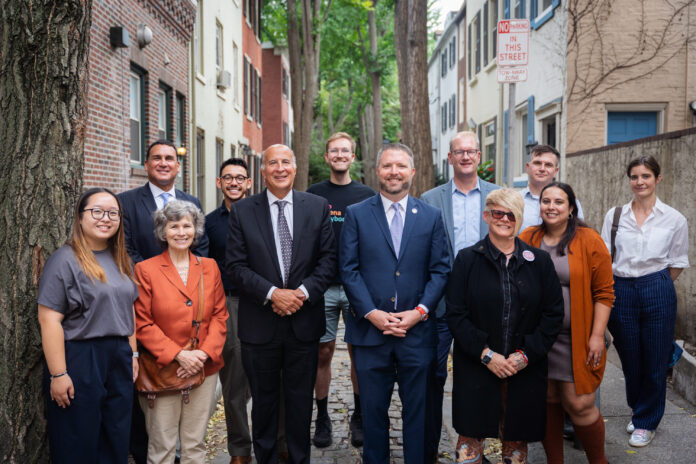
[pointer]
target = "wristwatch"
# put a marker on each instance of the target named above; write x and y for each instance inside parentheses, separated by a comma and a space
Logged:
(487, 357)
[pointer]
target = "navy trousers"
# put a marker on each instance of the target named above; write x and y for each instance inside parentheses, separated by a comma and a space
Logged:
(437, 380)
(377, 368)
(642, 323)
(96, 425)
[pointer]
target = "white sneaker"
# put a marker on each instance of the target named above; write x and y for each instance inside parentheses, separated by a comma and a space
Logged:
(630, 427)
(641, 437)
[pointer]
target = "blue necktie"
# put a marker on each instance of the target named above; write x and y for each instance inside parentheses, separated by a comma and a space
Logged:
(396, 228)
(165, 198)
(285, 240)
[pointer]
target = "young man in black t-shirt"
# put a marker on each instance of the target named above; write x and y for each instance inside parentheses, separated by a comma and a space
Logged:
(340, 191)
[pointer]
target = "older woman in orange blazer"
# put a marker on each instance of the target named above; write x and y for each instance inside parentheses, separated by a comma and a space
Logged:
(578, 357)
(167, 306)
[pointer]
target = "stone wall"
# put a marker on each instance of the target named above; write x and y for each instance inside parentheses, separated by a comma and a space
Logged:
(599, 179)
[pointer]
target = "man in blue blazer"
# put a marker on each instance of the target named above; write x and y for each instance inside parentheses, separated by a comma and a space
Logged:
(461, 202)
(394, 264)
(162, 167)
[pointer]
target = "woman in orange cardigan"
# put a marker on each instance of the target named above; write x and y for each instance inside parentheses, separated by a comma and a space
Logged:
(165, 310)
(578, 357)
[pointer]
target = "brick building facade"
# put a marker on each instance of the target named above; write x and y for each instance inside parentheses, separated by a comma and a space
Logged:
(137, 92)
(277, 113)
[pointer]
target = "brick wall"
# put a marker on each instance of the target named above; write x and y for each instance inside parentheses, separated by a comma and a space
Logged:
(165, 60)
(251, 47)
(275, 105)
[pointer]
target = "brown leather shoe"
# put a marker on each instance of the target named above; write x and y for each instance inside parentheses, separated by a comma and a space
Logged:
(240, 460)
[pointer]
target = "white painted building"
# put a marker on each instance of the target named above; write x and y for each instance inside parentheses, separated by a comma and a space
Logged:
(444, 95)
(216, 94)
(538, 101)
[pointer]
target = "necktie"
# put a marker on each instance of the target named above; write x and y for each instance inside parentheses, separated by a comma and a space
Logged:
(165, 198)
(396, 228)
(285, 240)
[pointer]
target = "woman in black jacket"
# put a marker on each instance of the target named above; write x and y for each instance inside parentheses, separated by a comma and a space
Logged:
(504, 309)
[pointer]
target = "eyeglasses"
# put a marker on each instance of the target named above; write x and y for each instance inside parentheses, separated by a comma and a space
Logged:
(497, 214)
(469, 153)
(98, 213)
(336, 151)
(228, 178)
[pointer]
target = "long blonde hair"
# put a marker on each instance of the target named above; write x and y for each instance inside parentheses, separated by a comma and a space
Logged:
(117, 243)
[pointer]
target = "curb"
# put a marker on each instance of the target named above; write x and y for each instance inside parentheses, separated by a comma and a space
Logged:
(684, 376)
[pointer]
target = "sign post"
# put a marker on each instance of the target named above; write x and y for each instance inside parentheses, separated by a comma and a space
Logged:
(512, 60)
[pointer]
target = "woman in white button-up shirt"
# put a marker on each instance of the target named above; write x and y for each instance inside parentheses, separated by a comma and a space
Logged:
(651, 250)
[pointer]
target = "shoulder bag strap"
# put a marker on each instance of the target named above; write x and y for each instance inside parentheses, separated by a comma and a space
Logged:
(614, 229)
(201, 304)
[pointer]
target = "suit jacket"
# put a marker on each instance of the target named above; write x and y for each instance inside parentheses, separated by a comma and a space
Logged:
(252, 265)
(441, 198)
(138, 225)
(166, 308)
(373, 276)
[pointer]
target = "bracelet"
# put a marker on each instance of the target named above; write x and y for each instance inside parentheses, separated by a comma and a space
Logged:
(136, 355)
(526, 359)
(58, 375)
(424, 315)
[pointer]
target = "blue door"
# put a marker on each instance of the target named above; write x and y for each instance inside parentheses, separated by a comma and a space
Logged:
(623, 126)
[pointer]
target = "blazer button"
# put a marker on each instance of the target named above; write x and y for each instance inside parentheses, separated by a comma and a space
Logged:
(189, 303)
(393, 299)
(398, 273)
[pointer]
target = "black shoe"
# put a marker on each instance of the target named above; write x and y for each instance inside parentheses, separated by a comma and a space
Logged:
(356, 430)
(322, 432)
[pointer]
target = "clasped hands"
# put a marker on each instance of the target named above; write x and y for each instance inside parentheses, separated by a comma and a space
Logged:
(396, 324)
(286, 302)
(190, 362)
(504, 367)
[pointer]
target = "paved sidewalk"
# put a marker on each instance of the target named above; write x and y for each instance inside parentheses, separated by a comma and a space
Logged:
(675, 442)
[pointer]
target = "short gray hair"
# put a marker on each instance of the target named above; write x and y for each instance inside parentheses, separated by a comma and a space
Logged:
(277, 145)
(174, 211)
(465, 135)
(396, 146)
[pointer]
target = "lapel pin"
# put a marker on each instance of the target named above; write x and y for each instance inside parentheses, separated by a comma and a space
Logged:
(414, 210)
(528, 255)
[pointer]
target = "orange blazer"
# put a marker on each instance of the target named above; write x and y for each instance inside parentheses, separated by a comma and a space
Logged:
(591, 281)
(166, 308)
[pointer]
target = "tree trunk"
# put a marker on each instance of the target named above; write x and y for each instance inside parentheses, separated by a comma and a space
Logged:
(43, 78)
(376, 83)
(366, 127)
(303, 50)
(410, 43)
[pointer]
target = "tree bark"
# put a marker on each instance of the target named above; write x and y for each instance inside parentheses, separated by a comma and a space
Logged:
(43, 77)
(411, 43)
(366, 127)
(304, 38)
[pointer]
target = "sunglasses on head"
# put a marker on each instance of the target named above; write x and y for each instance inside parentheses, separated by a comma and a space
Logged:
(497, 214)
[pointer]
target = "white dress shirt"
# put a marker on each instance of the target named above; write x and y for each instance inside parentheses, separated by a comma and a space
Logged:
(287, 212)
(157, 193)
(532, 211)
(661, 242)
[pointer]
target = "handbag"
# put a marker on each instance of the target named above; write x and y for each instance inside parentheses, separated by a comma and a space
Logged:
(154, 380)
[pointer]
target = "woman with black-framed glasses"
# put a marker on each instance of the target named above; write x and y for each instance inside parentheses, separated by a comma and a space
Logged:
(85, 301)
(504, 309)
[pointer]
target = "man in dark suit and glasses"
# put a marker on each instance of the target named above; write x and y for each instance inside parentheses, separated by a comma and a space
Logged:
(281, 256)
(139, 204)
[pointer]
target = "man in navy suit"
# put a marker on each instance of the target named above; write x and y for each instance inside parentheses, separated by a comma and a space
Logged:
(162, 167)
(461, 201)
(281, 255)
(394, 263)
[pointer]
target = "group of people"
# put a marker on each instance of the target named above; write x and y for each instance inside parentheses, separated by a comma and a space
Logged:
(516, 282)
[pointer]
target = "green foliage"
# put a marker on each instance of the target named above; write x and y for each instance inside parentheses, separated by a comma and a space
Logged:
(486, 171)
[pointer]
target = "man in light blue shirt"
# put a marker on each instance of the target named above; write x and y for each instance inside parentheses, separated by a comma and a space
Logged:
(542, 168)
(461, 202)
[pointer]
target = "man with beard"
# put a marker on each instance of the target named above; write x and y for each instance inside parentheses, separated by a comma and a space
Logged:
(340, 191)
(234, 182)
(394, 263)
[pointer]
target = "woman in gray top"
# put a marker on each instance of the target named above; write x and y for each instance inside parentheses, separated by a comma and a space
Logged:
(85, 300)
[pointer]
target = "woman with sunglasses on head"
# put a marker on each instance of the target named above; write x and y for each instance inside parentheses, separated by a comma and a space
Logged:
(85, 299)
(651, 250)
(504, 309)
(578, 357)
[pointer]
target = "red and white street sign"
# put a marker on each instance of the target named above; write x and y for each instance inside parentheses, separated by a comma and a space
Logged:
(511, 74)
(513, 42)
